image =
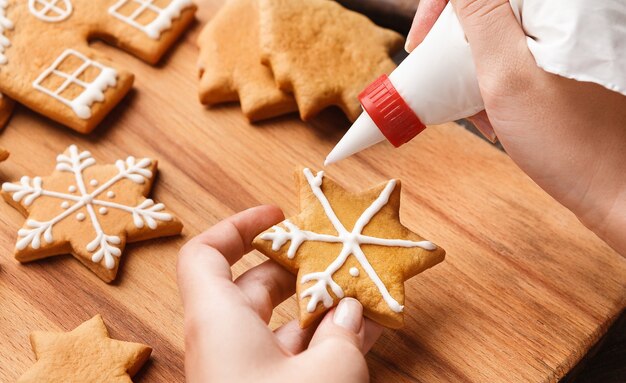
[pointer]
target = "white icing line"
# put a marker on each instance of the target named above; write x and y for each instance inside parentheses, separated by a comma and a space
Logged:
(92, 91)
(163, 20)
(50, 11)
(103, 246)
(5, 24)
(351, 241)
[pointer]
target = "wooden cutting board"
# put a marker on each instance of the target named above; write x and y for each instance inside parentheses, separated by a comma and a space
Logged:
(524, 292)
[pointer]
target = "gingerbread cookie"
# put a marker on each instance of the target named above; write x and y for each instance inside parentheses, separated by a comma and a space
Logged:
(89, 210)
(323, 53)
(6, 108)
(230, 64)
(4, 154)
(346, 244)
(46, 64)
(85, 354)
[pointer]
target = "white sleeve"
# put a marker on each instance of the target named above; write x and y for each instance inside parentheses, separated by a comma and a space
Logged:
(580, 39)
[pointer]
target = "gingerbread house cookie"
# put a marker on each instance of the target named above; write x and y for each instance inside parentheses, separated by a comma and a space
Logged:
(47, 65)
(6, 108)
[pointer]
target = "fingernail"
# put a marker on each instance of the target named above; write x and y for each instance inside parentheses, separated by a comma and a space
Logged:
(407, 45)
(485, 129)
(349, 314)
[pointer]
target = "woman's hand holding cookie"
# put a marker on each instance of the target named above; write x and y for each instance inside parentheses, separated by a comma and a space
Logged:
(568, 136)
(226, 334)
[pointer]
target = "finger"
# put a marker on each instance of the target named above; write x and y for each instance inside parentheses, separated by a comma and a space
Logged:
(482, 123)
(372, 332)
(204, 275)
(428, 12)
(218, 319)
(343, 324)
(340, 336)
(266, 286)
(497, 40)
(233, 236)
(293, 338)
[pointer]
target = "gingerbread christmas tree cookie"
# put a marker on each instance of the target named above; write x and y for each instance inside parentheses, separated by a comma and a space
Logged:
(85, 354)
(230, 64)
(47, 65)
(346, 244)
(323, 53)
(88, 210)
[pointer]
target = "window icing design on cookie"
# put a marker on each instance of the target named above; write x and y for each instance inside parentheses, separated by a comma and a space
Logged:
(5, 25)
(136, 12)
(351, 246)
(79, 86)
(50, 11)
(92, 91)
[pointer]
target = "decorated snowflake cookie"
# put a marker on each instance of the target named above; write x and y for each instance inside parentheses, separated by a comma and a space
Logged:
(89, 210)
(46, 64)
(349, 245)
(85, 354)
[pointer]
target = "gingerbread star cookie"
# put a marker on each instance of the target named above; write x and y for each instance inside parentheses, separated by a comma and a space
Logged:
(88, 210)
(323, 53)
(47, 65)
(230, 64)
(6, 108)
(85, 354)
(346, 244)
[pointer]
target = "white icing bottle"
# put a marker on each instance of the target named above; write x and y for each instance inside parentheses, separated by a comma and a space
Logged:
(437, 82)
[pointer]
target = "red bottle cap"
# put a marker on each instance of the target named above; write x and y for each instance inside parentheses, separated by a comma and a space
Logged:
(393, 116)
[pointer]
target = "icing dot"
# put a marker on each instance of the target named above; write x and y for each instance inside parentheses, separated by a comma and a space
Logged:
(354, 271)
(93, 182)
(80, 216)
(111, 194)
(72, 189)
(65, 204)
(103, 210)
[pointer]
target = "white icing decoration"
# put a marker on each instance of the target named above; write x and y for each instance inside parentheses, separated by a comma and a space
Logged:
(93, 182)
(5, 24)
(27, 190)
(163, 20)
(72, 189)
(92, 91)
(65, 204)
(50, 10)
(351, 240)
(354, 272)
(110, 194)
(103, 210)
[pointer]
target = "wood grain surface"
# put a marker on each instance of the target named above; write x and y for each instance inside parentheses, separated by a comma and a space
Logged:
(524, 292)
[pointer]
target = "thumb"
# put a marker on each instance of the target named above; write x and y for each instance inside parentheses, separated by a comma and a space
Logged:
(497, 40)
(344, 324)
(339, 341)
